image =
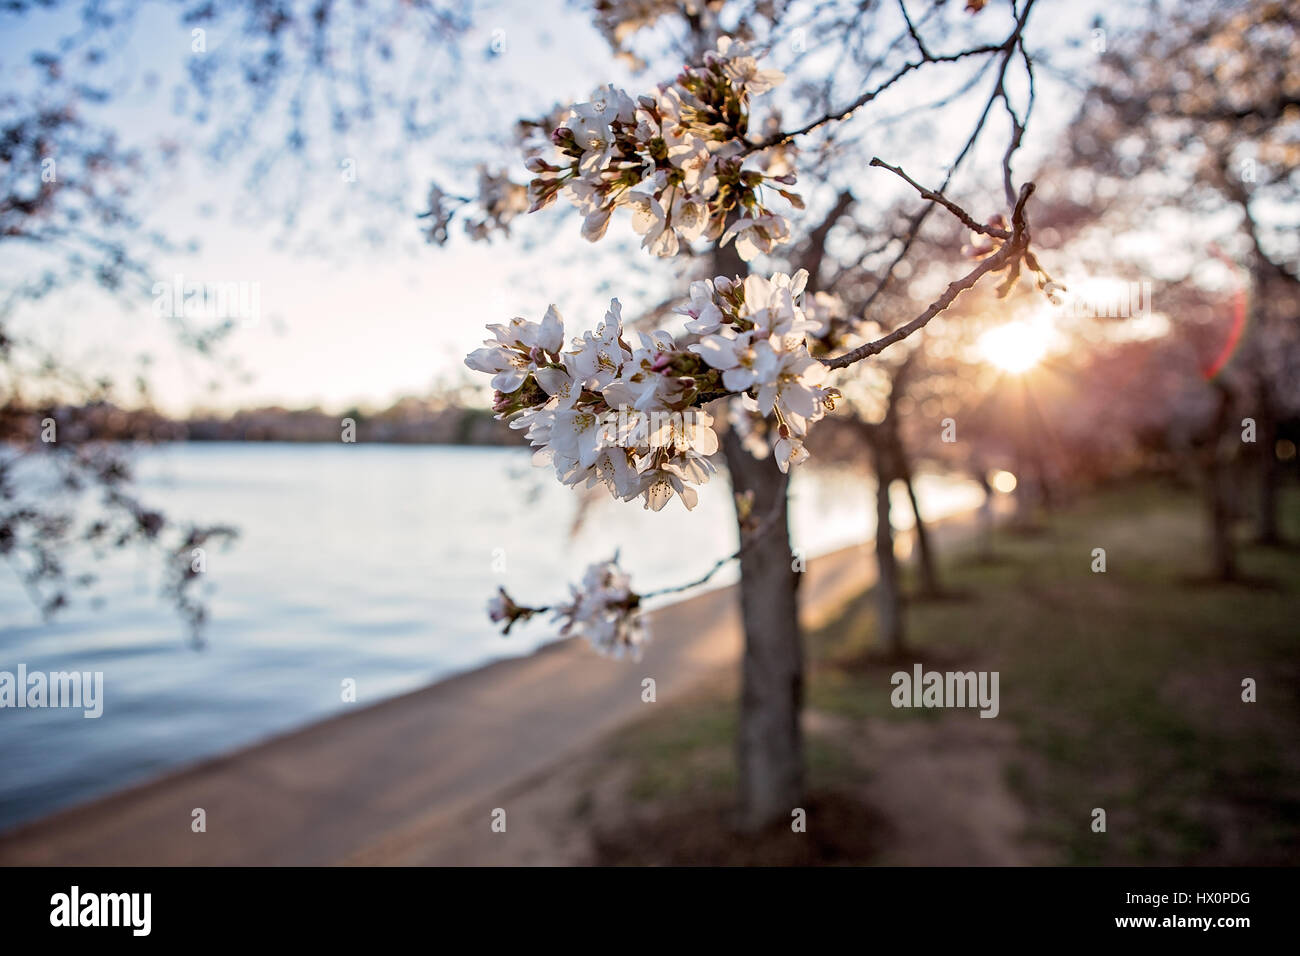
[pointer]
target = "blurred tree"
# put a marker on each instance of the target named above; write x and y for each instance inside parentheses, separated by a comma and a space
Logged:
(1193, 121)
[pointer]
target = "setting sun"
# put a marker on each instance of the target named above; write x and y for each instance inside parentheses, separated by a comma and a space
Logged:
(1015, 347)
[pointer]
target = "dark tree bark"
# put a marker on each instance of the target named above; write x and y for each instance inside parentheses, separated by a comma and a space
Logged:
(1269, 474)
(888, 590)
(1223, 552)
(770, 744)
(924, 545)
(985, 517)
(1026, 495)
(889, 600)
(888, 461)
(1273, 284)
(769, 736)
(901, 469)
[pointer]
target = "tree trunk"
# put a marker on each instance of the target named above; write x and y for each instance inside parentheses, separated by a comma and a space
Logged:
(984, 520)
(770, 736)
(1266, 520)
(1026, 502)
(1219, 491)
(1223, 553)
(889, 604)
(770, 744)
(925, 556)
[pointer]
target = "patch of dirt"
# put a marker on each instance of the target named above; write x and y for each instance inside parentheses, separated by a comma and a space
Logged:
(548, 823)
(943, 786)
(934, 793)
(918, 793)
(841, 829)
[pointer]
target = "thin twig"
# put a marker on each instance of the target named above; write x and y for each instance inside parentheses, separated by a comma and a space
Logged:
(914, 229)
(911, 28)
(747, 541)
(966, 220)
(780, 139)
(1009, 252)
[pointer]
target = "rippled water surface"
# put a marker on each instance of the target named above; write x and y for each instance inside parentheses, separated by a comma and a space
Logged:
(368, 562)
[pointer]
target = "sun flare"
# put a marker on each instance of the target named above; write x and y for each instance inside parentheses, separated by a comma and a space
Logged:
(1015, 347)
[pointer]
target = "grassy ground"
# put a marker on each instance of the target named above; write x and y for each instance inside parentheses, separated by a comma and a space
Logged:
(1119, 690)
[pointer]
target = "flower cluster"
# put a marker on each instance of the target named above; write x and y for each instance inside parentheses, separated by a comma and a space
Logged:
(676, 159)
(596, 411)
(503, 608)
(497, 201)
(756, 333)
(604, 610)
(624, 409)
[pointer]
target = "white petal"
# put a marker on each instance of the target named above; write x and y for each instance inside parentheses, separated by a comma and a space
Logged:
(646, 214)
(716, 351)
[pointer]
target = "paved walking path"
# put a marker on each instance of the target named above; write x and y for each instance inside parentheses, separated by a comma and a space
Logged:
(325, 793)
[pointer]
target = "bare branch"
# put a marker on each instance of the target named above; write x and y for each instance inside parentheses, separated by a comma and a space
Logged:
(965, 218)
(1010, 252)
(781, 139)
(1006, 48)
(911, 28)
(816, 247)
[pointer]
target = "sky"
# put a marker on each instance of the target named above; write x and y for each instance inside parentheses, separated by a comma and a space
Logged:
(365, 324)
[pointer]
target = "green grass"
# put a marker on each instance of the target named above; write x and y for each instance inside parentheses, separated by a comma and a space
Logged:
(1124, 687)
(688, 750)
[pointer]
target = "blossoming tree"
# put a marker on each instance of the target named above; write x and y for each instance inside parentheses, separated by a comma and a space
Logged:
(633, 411)
(1231, 146)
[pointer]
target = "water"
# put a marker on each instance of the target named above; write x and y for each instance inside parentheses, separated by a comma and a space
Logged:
(368, 562)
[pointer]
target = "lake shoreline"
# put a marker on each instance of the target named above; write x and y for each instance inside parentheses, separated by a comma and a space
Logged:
(336, 788)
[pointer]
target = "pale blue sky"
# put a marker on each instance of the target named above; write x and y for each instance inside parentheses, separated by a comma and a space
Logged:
(368, 324)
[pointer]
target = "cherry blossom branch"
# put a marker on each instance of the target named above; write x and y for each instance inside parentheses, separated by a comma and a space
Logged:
(718, 565)
(1011, 251)
(965, 218)
(914, 228)
(747, 541)
(606, 610)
